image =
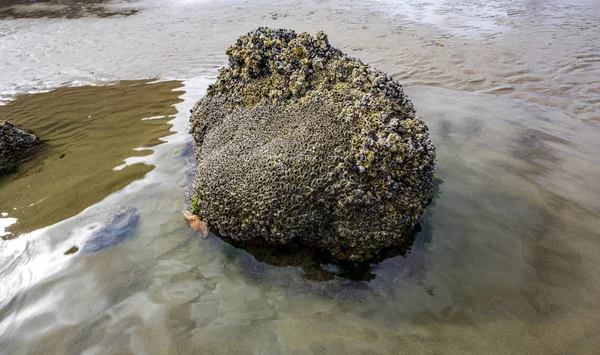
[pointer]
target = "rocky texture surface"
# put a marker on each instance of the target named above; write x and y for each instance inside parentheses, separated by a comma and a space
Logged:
(297, 143)
(16, 146)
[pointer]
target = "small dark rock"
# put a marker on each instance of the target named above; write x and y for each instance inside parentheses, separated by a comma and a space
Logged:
(16, 147)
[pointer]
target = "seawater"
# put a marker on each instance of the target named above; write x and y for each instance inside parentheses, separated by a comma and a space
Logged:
(506, 261)
(498, 258)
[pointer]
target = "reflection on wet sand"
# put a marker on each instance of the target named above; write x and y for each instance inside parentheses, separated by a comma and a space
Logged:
(88, 131)
(60, 8)
(505, 262)
(317, 265)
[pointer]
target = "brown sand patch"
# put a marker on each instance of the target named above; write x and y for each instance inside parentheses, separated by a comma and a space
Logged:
(87, 131)
(60, 8)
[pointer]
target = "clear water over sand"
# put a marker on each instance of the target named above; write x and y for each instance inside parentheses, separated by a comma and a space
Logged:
(506, 261)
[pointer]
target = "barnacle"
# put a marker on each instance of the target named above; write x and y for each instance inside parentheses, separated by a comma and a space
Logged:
(298, 143)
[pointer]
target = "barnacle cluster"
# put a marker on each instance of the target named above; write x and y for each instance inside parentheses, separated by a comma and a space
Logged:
(16, 146)
(298, 143)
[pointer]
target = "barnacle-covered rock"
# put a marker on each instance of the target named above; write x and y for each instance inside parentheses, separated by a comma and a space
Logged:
(16, 146)
(297, 143)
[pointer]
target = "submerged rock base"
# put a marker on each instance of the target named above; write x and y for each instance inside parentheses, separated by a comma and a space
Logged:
(297, 143)
(16, 147)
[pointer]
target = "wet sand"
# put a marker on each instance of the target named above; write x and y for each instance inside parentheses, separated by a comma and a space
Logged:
(506, 262)
(13, 9)
(539, 51)
(87, 132)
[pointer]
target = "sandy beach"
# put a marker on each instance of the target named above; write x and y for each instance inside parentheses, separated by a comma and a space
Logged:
(506, 261)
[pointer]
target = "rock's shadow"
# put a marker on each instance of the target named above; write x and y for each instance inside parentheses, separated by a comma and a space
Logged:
(317, 265)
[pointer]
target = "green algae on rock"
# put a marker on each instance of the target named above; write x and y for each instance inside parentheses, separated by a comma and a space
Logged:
(298, 143)
(16, 146)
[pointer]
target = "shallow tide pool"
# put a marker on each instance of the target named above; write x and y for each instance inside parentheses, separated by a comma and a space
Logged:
(506, 260)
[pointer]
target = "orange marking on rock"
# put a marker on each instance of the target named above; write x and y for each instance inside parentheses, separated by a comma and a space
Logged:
(196, 223)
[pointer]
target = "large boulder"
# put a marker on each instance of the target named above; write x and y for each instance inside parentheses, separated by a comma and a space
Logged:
(16, 146)
(298, 143)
